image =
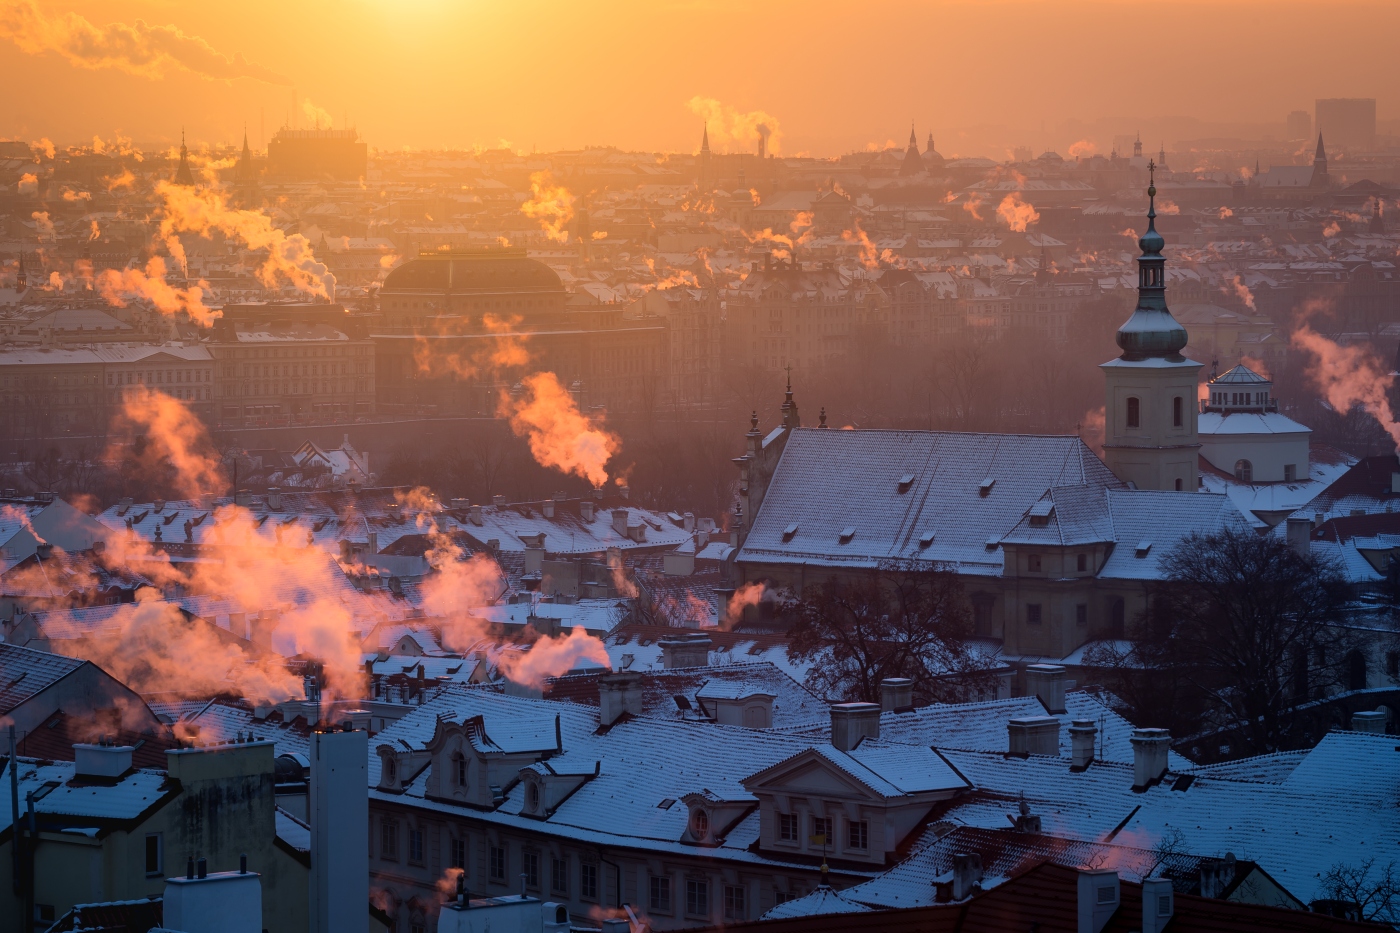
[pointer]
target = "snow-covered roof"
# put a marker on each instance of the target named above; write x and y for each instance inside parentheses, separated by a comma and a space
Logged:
(1214, 424)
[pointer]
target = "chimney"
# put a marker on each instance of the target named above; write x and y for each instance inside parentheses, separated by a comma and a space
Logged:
(339, 815)
(585, 510)
(102, 761)
(1299, 535)
(274, 498)
(498, 501)
(624, 491)
(1158, 904)
(896, 694)
(1369, 720)
(852, 722)
(474, 515)
(214, 902)
(1083, 735)
(1149, 756)
(1046, 682)
(691, 649)
(688, 521)
(1217, 874)
(534, 560)
(372, 543)
(158, 506)
(967, 871)
(548, 508)
(1395, 483)
(1033, 735)
(1098, 899)
(619, 521)
(619, 692)
(243, 498)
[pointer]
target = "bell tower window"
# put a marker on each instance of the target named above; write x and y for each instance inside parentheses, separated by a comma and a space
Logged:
(1134, 412)
(1177, 409)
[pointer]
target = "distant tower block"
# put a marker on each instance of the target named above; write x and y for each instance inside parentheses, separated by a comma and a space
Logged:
(1150, 408)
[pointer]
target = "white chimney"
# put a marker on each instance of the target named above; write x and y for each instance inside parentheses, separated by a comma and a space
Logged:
(474, 516)
(896, 694)
(514, 913)
(1158, 904)
(1369, 720)
(852, 722)
(1300, 535)
(585, 510)
(339, 812)
(967, 871)
(1083, 736)
(213, 902)
(102, 761)
(1149, 756)
(1046, 682)
(619, 521)
(548, 508)
(691, 649)
(1098, 899)
(619, 693)
(274, 498)
(1033, 735)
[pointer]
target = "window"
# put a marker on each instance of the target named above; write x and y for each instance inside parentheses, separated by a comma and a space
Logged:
(415, 846)
(1033, 613)
(734, 902)
(697, 898)
(858, 835)
(1134, 413)
(389, 840)
(1290, 472)
(1081, 562)
(459, 854)
(1244, 471)
(787, 827)
(559, 875)
(459, 768)
(588, 882)
(498, 863)
(660, 894)
(1081, 614)
(1178, 485)
(154, 860)
(530, 868)
(532, 795)
(1177, 408)
(821, 831)
(699, 823)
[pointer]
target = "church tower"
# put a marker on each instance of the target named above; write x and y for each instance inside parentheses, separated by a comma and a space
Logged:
(707, 180)
(1150, 410)
(1320, 178)
(183, 175)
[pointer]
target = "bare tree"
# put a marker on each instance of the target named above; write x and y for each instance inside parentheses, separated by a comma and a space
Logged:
(1374, 890)
(907, 619)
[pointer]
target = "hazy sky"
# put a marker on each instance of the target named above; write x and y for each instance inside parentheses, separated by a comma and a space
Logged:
(835, 74)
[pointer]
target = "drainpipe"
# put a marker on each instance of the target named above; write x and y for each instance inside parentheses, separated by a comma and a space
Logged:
(14, 816)
(31, 847)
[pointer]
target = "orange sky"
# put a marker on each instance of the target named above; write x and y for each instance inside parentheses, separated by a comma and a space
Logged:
(980, 74)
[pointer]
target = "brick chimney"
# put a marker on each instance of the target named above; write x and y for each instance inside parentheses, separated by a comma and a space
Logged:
(1158, 904)
(1083, 736)
(1149, 756)
(1046, 682)
(619, 692)
(1217, 874)
(896, 694)
(1033, 735)
(691, 649)
(967, 871)
(852, 722)
(1098, 899)
(1300, 535)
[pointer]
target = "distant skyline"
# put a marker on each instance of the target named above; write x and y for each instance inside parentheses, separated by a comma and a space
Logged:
(829, 77)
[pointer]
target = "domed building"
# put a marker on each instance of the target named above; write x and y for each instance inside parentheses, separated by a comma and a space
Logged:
(1242, 432)
(443, 315)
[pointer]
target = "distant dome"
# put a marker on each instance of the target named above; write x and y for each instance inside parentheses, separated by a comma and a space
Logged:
(1051, 157)
(472, 270)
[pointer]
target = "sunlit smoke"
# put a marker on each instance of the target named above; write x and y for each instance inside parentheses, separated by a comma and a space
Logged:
(467, 359)
(1016, 213)
(868, 255)
(1082, 148)
(1347, 376)
(1226, 212)
(138, 49)
(551, 656)
(321, 119)
(560, 436)
(174, 436)
(973, 205)
(43, 226)
(28, 184)
(119, 288)
(728, 126)
(750, 594)
(552, 205)
(1332, 229)
(1242, 292)
(1091, 429)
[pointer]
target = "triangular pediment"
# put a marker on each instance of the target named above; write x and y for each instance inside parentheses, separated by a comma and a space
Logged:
(809, 773)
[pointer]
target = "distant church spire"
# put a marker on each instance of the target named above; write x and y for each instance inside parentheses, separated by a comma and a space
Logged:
(913, 162)
(183, 175)
(791, 419)
(1152, 332)
(1320, 178)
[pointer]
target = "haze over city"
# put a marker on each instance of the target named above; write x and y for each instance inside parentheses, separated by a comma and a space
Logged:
(629, 467)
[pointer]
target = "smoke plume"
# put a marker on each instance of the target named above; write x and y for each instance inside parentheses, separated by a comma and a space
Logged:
(1016, 213)
(552, 205)
(728, 126)
(121, 287)
(560, 436)
(1348, 376)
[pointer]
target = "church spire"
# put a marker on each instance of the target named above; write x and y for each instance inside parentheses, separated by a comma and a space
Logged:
(1320, 178)
(705, 139)
(183, 175)
(1152, 332)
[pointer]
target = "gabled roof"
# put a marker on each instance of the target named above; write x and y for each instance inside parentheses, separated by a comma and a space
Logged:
(960, 487)
(24, 673)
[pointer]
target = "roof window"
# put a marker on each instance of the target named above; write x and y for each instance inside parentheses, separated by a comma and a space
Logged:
(790, 532)
(926, 539)
(847, 534)
(992, 542)
(1143, 547)
(905, 483)
(985, 489)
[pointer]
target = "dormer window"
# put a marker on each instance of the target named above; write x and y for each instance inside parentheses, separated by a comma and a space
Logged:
(459, 769)
(699, 824)
(532, 795)
(391, 770)
(906, 482)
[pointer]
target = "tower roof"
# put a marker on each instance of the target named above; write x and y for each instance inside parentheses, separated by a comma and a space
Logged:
(183, 175)
(1241, 375)
(1321, 151)
(1151, 332)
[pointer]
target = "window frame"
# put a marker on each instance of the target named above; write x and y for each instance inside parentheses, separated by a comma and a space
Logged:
(559, 874)
(415, 846)
(697, 897)
(659, 897)
(588, 881)
(789, 827)
(1035, 614)
(388, 840)
(530, 868)
(736, 899)
(1133, 412)
(858, 835)
(159, 869)
(458, 854)
(498, 863)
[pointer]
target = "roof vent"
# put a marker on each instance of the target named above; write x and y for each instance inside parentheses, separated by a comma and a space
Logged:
(847, 534)
(926, 539)
(790, 532)
(985, 489)
(993, 541)
(1041, 512)
(906, 482)
(1143, 547)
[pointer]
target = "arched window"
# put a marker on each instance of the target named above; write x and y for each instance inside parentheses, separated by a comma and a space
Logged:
(1134, 412)
(532, 795)
(1244, 471)
(699, 823)
(459, 769)
(1177, 412)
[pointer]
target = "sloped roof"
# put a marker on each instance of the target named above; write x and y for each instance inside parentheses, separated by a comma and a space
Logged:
(1162, 520)
(829, 481)
(25, 672)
